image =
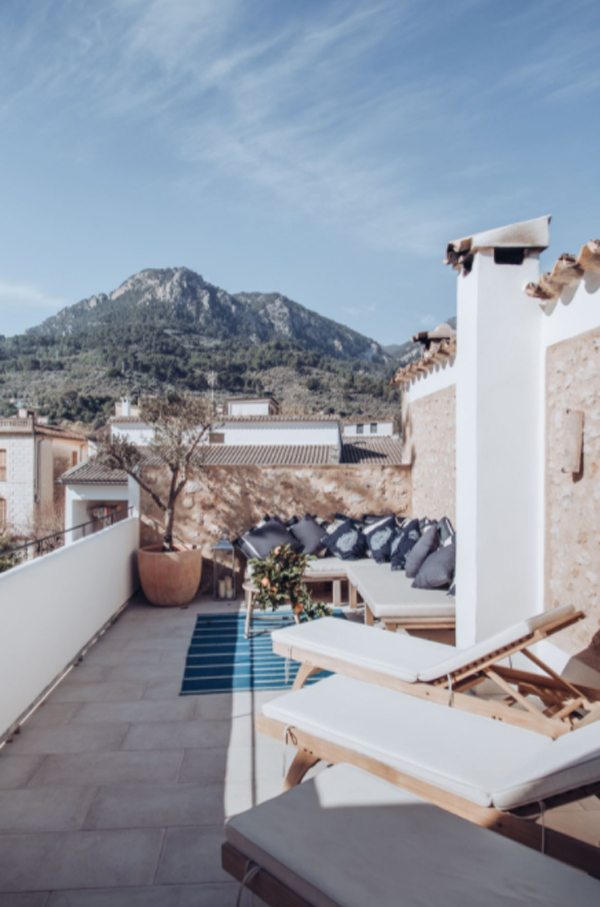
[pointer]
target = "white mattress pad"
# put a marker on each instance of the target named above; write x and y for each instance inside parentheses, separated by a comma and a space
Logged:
(347, 839)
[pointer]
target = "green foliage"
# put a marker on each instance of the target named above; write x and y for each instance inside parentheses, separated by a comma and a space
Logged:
(7, 561)
(278, 579)
(181, 426)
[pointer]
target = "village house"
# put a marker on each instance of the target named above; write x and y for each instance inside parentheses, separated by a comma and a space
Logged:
(33, 455)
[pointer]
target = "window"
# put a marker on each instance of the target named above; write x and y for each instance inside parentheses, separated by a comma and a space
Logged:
(74, 458)
(2, 513)
(2, 466)
(360, 429)
(373, 428)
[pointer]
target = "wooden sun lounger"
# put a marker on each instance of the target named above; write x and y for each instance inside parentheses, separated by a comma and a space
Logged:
(346, 839)
(445, 675)
(490, 773)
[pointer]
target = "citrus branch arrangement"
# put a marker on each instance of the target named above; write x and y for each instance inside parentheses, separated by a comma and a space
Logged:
(278, 580)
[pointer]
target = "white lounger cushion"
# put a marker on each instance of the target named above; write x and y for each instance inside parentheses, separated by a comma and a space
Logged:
(389, 593)
(347, 839)
(395, 654)
(406, 657)
(331, 566)
(457, 751)
(506, 637)
(485, 761)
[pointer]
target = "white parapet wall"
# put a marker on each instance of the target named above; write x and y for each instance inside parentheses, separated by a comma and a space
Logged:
(50, 608)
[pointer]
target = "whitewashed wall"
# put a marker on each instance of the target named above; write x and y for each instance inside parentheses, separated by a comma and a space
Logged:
(282, 433)
(52, 607)
(137, 433)
(382, 429)
(439, 378)
(78, 500)
(18, 490)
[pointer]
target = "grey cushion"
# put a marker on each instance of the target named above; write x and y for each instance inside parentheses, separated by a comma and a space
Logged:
(309, 533)
(437, 569)
(446, 530)
(260, 541)
(428, 542)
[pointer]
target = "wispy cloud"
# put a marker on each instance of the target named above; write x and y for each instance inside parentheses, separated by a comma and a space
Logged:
(22, 304)
(293, 107)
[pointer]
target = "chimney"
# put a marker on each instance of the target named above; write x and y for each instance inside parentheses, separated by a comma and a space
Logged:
(499, 449)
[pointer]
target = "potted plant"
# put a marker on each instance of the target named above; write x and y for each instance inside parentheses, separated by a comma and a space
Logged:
(169, 573)
(278, 580)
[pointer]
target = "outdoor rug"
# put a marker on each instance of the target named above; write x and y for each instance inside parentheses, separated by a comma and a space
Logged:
(220, 660)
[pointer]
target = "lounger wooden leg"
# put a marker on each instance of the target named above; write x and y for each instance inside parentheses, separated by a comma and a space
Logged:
(303, 761)
(369, 618)
(337, 593)
(304, 672)
(352, 596)
(249, 607)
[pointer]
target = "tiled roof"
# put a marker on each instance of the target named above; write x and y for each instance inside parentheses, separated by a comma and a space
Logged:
(55, 431)
(93, 473)
(568, 270)
(270, 455)
(128, 420)
(378, 451)
(440, 346)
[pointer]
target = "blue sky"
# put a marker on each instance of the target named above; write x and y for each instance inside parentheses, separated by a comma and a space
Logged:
(326, 149)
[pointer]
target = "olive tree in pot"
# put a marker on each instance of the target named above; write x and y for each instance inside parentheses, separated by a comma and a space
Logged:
(169, 573)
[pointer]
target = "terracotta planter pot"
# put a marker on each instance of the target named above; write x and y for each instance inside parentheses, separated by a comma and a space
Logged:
(169, 578)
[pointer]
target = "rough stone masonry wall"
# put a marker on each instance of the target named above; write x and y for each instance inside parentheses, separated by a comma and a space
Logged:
(232, 499)
(573, 501)
(429, 431)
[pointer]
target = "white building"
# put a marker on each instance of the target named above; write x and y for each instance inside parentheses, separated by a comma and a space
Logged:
(375, 428)
(32, 456)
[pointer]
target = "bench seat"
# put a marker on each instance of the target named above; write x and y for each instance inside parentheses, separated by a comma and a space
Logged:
(346, 839)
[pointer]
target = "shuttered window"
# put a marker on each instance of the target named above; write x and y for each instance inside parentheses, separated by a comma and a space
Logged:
(2, 513)
(2, 466)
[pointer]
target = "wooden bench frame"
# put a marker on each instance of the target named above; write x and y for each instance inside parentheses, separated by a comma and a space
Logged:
(562, 701)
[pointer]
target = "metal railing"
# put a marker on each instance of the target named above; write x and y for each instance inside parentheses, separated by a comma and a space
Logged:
(55, 540)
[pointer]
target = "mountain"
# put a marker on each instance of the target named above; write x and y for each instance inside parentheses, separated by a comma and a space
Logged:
(183, 299)
(170, 328)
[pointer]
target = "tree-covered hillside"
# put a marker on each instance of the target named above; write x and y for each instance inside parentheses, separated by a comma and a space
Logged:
(171, 329)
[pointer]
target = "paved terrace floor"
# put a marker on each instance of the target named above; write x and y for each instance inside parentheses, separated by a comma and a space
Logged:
(116, 789)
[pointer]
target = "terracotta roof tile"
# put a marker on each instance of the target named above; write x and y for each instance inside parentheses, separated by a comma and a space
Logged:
(439, 351)
(381, 451)
(567, 271)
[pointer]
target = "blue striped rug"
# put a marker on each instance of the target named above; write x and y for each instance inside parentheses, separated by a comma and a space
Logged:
(220, 660)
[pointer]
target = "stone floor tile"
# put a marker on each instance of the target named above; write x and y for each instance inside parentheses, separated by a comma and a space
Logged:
(217, 895)
(25, 899)
(590, 803)
(127, 653)
(156, 806)
(178, 735)
(192, 855)
(242, 763)
(584, 824)
(53, 714)
(81, 738)
(113, 691)
(86, 673)
(134, 712)
(49, 809)
(145, 673)
(17, 770)
(163, 690)
(91, 859)
(239, 796)
(221, 706)
(98, 769)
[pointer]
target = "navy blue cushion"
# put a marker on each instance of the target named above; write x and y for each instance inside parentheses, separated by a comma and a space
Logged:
(347, 542)
(379, 535)
(402, 543)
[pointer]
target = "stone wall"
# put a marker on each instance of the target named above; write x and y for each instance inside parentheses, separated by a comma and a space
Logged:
(429, 432)
(573, 501)
(232, 499)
